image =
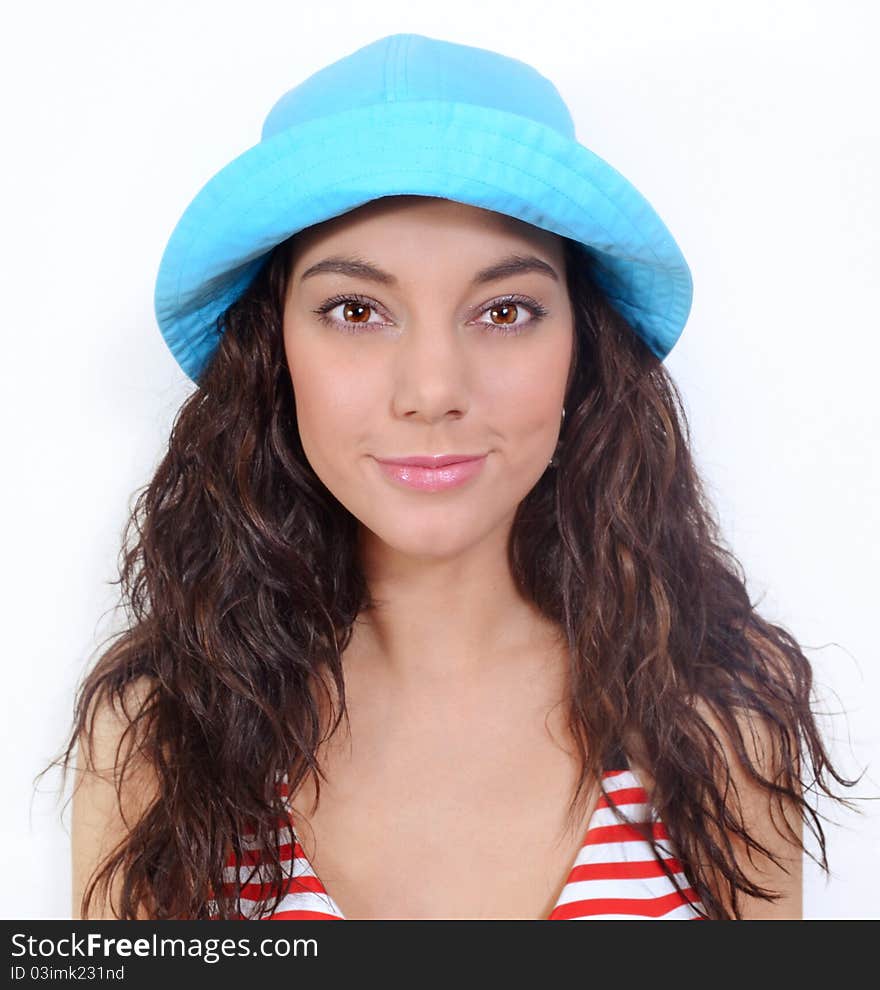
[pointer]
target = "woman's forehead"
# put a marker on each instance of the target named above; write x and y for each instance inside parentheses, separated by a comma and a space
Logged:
(385, 224)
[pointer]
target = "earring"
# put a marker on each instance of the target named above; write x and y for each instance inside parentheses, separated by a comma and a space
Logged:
(554, 460)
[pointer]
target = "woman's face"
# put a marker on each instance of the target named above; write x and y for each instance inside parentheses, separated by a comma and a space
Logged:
(413, 351)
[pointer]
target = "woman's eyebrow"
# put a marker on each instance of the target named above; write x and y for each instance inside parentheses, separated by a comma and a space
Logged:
(514, 264)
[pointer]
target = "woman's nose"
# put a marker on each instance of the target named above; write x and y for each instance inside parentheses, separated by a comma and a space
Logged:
(433, 372)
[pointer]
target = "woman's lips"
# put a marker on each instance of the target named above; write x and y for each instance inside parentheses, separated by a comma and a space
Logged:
(432, 479)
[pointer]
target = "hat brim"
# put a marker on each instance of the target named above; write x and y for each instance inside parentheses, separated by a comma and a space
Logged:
(483, 157)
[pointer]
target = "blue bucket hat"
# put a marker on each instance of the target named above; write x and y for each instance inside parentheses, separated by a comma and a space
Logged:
(409, 114)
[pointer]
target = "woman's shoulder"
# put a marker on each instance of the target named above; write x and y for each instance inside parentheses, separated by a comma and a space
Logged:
(114, 785)
(773, 822)
(110, 726)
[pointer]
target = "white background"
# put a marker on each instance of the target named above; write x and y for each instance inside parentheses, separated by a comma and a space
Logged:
(751, 127)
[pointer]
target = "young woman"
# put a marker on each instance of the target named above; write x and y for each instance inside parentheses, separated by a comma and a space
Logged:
(430, 616)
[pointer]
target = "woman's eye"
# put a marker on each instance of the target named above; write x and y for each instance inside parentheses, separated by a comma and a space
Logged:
(354, 312)
(510, 314)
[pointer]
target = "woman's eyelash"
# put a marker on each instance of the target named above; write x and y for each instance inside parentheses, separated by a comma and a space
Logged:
(536, 309)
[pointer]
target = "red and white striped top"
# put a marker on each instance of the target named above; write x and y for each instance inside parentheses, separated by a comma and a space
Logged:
(614, 875)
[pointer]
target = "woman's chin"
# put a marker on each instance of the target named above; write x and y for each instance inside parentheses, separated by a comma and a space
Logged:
(426, 542)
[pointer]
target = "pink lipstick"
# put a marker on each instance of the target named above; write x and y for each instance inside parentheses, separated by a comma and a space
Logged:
(432, 474)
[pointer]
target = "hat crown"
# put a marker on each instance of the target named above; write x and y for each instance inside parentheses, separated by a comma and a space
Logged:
(413, 67)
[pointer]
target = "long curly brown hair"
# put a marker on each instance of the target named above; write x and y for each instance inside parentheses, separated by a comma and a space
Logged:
(241, 582)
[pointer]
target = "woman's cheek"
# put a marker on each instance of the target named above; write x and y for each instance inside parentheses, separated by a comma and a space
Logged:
(333, 414)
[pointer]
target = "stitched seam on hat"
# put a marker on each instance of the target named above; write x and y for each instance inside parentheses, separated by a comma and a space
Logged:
(399, 66)
(405, 67)
(385, 86)
(391, 71)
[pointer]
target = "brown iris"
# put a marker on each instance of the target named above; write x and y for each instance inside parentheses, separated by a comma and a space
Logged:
(361, 308)
(507, 309)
